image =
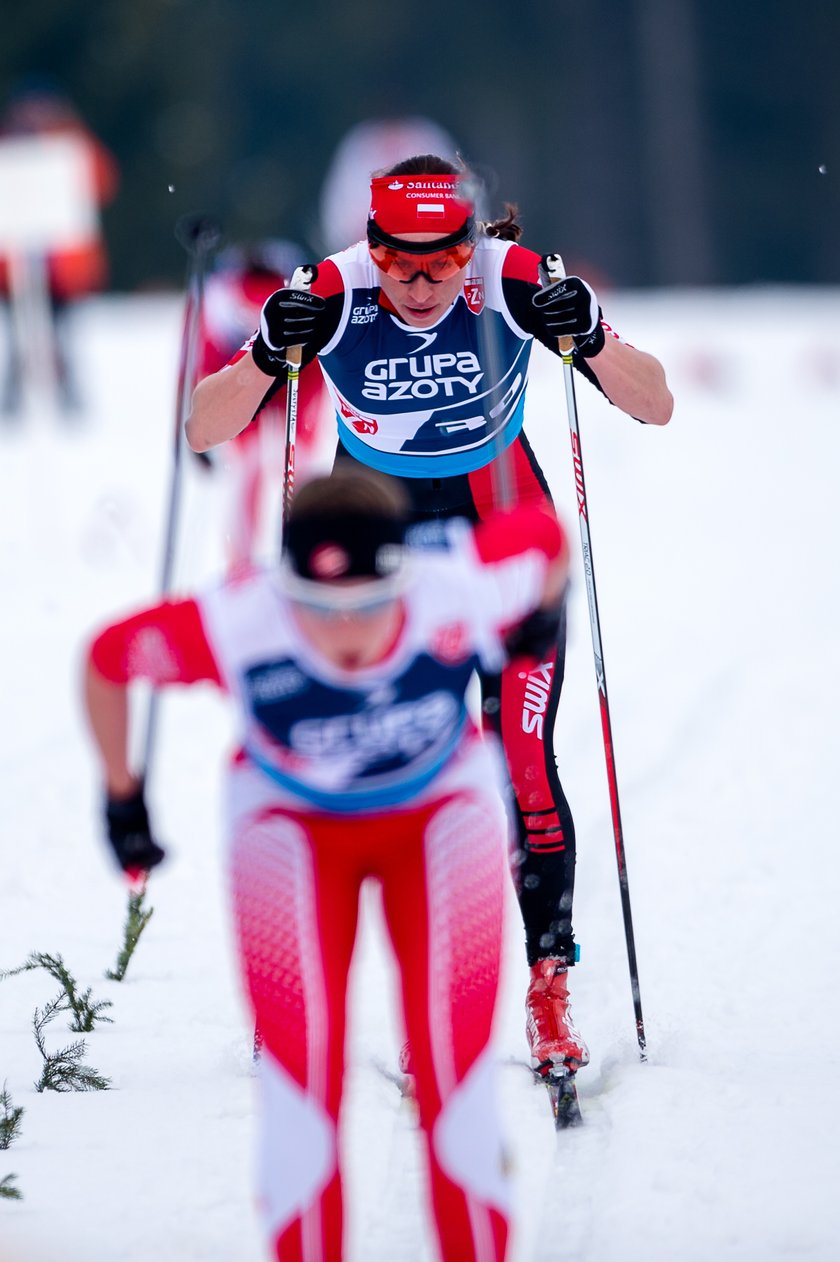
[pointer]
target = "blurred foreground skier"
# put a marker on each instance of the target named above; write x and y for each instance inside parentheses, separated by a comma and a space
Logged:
(423, 332)
(349, 666)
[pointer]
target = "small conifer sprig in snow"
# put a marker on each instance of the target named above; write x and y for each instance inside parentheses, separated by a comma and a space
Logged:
(64, 1070)
(9, 1119)
(135, 922)
(85, 1011)
(7, 1191)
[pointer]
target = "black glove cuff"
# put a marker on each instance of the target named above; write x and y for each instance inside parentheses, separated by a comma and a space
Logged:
(591, 344)
(129, 833)
(272, 363)
(128, 812)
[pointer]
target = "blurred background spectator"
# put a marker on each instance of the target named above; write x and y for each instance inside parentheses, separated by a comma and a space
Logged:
(37, 109)
(241, 279)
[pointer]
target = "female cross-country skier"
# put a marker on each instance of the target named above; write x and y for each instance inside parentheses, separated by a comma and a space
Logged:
(423, 332)
(349, 666)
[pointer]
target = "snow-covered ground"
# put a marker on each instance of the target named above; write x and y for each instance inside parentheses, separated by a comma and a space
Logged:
(715, 546)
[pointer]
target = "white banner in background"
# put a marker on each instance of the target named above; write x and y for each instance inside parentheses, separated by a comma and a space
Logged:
(46, 194)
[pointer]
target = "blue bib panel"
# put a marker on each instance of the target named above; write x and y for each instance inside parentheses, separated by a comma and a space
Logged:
(433, 402)
(384, 743)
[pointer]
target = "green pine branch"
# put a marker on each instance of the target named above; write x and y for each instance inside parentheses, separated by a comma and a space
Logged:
(135, 922)
(85, 1011)
(9, 1119)
(7, 1191)
(64, 1070)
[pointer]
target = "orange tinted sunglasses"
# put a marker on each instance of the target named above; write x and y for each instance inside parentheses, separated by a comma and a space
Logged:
(438, 260)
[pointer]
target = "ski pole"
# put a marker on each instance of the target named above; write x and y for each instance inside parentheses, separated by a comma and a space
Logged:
(554, 271)
(199, 235)
(301, 279)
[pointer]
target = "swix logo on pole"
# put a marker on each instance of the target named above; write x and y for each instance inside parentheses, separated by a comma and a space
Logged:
(537, 688)
(579, 486)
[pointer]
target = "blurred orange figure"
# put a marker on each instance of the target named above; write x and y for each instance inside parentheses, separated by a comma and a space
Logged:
(40, 109)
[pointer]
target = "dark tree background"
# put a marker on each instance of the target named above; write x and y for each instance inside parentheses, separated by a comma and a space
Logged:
(654, 142)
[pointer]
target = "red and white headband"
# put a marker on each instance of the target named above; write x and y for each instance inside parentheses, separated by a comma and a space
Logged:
(418, 203)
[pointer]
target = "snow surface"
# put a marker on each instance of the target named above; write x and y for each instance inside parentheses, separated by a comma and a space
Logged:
(715, 546)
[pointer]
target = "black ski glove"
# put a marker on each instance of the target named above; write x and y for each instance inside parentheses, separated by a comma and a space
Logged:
(290, 317)
(537, 635)
(129, 833)
(569, 308)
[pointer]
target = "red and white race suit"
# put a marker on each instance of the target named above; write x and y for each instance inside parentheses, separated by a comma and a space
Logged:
(342, 777)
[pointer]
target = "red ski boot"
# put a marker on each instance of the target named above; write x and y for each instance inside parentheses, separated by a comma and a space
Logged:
(552, 1036)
